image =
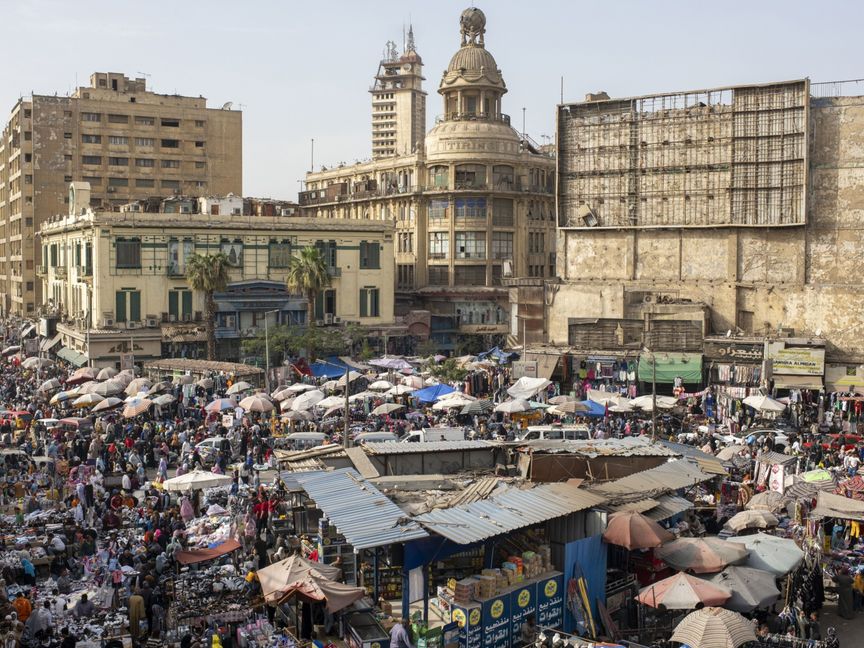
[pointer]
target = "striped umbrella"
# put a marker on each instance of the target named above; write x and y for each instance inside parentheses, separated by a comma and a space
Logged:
(109, 403)
(136, 407)
(714, 628)
(88, 400)
(221, 404)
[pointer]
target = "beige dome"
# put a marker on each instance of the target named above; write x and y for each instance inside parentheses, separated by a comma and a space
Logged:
(473, 65)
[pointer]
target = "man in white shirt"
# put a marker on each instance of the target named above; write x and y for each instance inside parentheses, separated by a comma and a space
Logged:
(851, 462)
(56, 544)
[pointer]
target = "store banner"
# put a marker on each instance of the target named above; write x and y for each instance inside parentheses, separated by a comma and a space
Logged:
(795, 361)
(550, 601)
(523, 601)
(734, 351)
(470, 622)
(496, 622)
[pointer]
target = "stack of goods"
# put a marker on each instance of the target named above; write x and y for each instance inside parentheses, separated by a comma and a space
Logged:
(465, 590)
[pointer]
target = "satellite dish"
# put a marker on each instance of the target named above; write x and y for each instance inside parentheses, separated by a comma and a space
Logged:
(227, 105)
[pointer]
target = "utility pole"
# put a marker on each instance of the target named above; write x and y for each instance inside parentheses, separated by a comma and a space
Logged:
(346, 439)
(267, 348)
(653, 396)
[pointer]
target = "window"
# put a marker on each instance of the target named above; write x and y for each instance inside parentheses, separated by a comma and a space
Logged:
(470, 208)
(502, 177)
(439, 276)
(180, 304)
(170, 143)
(28, 113)
(536, 242)
(370, 253)
(94, 181)
(470, 176)
(119, 140)
(145, 121)
(91, 139)
(405, 277)
(118, 119)
(170, 164)
(279, 254)
(178, 253)
(502, 212)
(145, 183)
(144, 141)
(438, 209)
(470, 275)
(406, 242)
(470, 245)
(438, 177)
(170, 184)
(91, 117)
(118, 161)
(54, 255)
(325, 303)
(199, 144)
(200, 165)
(118, 182)
(328, 252)
(370, 302)
(199, 123)
(128, 253)
(67, 178)
(28, 135)
(170, 123)
(28, 179)
(144, 162)
(127, 305)
(232, 249)
(502, 245)
(439, 245)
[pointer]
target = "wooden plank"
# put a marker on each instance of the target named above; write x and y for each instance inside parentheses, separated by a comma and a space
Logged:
(361, 463)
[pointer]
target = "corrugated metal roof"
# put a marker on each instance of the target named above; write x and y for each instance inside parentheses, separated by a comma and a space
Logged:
(639, 506)
(654, 481)
(626, 447)
(667, 507)
(771, 458)
(397, 447)
(358, 510)
(507, 511)
(711, 465)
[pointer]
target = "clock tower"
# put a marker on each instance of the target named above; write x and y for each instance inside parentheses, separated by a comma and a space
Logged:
(398, 102)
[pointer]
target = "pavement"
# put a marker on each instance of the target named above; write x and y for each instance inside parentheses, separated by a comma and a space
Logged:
(850, 633)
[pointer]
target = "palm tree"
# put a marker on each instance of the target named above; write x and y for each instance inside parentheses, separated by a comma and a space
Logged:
(307, 275)
(209, 274)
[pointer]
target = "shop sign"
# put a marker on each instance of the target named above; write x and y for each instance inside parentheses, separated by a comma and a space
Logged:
(470, 625)
(796, 361)
(484, 329)
(550, 602)
(522, 368)
(734, 351)
(496, 623)
(523, 602)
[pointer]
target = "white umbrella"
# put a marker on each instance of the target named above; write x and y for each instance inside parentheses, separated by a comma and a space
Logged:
(363, 396)
(185, 379)
(387, 408)
(764, 403)
(297, 416)
(771, 553)
(714, 627)
(400, 390)
(49, 385)
(88, 387)
(451, 403)
(108, 388)
(106, 374)
(137, 385)
(513, 406)
(256, 403)
(280, 394)
(36, 363)
(329, 386)
(195, 480)
(286, 404)
(457, 395)
(307, 400)
(563, 398)
(603, 397)
(330, 401)
(164, 399)
(299, 387)
(238, 387)
(381, 385)
(87, 400)
(136, 407)
(752, 519)
(645, 402)
(107, 404)
(352, 376)
(750, 588)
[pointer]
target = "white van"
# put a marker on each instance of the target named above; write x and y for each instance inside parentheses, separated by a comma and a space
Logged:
(374, 437)
(434, 434)
(555, 433)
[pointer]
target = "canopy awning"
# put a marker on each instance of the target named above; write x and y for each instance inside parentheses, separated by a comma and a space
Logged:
(797, 382)
(837, 506)
(49, 343)
(193, 556)
(687, 366)
(546, 363)
(72, 356)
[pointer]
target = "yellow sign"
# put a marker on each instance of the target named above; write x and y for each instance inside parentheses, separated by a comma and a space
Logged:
(550, 588)
(375, 644)
(796, 361)
(524, 598)
(459, 617)
(497, 609)
(474, 617)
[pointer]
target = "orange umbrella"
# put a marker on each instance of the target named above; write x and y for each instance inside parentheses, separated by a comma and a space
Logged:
(682, 592)
(635, 531)
(701, 555)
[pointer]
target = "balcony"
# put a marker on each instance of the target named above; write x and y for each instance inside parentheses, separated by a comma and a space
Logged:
(60, 272)
(473, 116)
(41, 270)
(334, 272)
(175, 270)
(84, 271)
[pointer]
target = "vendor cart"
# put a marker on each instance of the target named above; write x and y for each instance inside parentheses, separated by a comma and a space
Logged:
(362, 630)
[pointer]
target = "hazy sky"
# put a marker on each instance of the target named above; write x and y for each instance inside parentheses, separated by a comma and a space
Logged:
(302, 70)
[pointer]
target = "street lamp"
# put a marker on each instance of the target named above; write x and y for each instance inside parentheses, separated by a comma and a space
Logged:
(267, 350)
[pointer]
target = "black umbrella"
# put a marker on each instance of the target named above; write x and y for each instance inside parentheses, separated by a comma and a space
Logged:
(478, 407)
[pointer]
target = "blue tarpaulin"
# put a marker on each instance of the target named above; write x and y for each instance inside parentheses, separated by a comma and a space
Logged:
(585, 559)
(596, 409)
(497, 354)
(433, 393)
(327, 370)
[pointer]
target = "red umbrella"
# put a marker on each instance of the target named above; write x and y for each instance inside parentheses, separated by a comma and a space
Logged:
(635, 531)
(682, 592)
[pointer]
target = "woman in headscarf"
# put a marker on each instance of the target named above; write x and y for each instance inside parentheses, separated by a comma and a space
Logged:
(186, 510)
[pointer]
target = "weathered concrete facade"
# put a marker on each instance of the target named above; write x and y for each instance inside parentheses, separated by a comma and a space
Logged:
(753, 279)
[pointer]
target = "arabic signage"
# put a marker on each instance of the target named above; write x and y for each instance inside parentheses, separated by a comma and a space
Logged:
(550, 602)
(484, 329)
(468, 618)
(795, 361)
(734, 351)
(523, 601)
(496, 622)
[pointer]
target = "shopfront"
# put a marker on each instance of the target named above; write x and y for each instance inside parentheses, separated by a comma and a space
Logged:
(735, 371)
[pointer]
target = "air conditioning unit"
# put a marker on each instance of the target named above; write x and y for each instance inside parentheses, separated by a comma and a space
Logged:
(152, 322)
(133, 325)
(328, 319)
(337, 320)
(319, 322)
(107, 322)
(187, 317)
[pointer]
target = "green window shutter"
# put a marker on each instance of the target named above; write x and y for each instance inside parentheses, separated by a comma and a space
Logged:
(374, 255)
(187, 302)
(364, 303)
(319, 306)
(135, 305)
(172, 304)
(374, 307)
(363, 255)
(120, 306)
(331, 259)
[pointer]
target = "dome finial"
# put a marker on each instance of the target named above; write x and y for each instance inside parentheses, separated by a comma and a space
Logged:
(472, 25)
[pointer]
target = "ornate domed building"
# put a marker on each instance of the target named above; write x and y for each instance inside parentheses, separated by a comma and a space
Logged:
(473, 201)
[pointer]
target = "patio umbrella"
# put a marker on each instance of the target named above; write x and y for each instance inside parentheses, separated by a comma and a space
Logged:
(10, 350)
(205, 383)
(123, 378)
(59, 397)
(456, 395)
(285, 404)
(87, 400)
(49, 385)
(36, 363)
(276, 577)
(299, 387)
(603, 397)
(751, 588)
(220, 405)
(563, 398)
(513, 406)
(136, 407)
(352, 376)
(280, 394)
(451, 403)
(195, 480)
(307, 400)
(622, 406)
(88, 387)
(163, 400)
(414, 382)
(645, 402)
(770, 501)
(330, 401)
(108, 388)
(633, 530)
(714, 627)
(297, 416)
(137, 385)
(776, 555)
(387, 408)
(106, 404)
(82, 375)
(752, 520)
(381, 385)
(701, 555)
(478, 407)
(726, 454)
(329, 386)
(571, 407)
(256, 403)
(106, 373)
(239, 386)
(762, 403)
(162, 386)
(185, 379)
(332, 411)
(362, 396)
(682, 592)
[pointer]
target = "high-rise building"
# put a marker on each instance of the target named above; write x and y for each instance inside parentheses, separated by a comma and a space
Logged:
(473, 204)
(127, 142)
(398, 102)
